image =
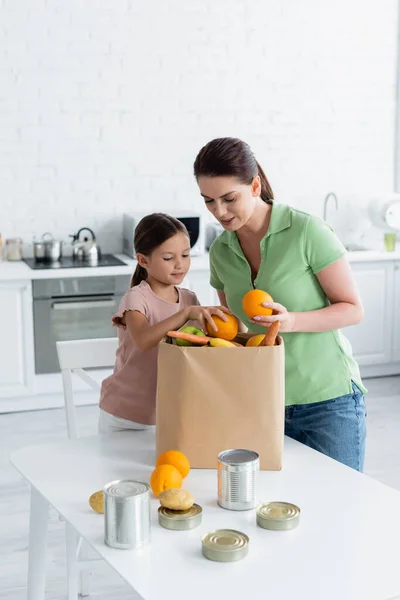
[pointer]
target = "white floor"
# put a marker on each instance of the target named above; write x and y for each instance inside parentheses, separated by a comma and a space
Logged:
(23, 429)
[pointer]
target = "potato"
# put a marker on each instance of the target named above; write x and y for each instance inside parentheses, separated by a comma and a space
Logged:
(96, 502)
(176, 499)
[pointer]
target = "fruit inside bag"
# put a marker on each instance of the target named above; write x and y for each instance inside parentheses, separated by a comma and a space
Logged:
(182, 338)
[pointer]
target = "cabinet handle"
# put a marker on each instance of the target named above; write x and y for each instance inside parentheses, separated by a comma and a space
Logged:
(78, 305)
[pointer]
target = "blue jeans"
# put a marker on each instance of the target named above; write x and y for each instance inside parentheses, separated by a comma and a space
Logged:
(334, 427)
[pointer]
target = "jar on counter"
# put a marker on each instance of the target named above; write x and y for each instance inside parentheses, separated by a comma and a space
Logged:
(13, 249)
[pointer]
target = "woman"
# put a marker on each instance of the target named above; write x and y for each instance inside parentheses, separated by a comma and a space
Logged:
(297, 259)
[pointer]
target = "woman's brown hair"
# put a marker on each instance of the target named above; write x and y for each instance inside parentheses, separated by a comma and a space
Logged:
(233, 158)
(152, 231)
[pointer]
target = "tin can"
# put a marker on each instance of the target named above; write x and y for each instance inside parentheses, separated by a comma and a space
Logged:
(225, 545)
(237, 470)
(126, 514)
(278, 516)
(180, 520)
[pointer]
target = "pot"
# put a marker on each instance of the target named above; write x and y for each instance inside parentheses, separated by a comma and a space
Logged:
(49, 249)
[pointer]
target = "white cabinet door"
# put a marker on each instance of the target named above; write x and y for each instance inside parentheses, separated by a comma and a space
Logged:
(372, 338)
(396, 315)
(16, 338)
(199, 283)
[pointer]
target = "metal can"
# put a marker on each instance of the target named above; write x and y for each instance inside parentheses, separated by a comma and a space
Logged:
(126, 514)
(225, 545)
(180, 520)
(278, 516)
(237, 471)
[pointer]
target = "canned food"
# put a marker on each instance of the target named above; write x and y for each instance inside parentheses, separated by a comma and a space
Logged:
(278, 516)
(225, 545)
(180, 520)
(126, 514)
(237, 471)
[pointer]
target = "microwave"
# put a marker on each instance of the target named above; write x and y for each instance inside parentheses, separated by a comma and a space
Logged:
(194, 223)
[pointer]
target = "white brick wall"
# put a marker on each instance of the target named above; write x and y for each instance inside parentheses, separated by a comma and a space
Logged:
(104, 104)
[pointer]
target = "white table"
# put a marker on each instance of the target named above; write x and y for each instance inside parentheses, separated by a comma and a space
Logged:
(345, 548)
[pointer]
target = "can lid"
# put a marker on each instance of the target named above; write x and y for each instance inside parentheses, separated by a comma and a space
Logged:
(125, 488)
(225, 545)
(238, 456)
(278, 511)
(180, 515)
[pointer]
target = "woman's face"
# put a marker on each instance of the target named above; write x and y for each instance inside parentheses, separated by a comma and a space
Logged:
(232, 203)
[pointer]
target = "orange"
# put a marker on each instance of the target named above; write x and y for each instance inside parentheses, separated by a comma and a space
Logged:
(255, 340)
(165, 477)
(253, 303)
(176, 459)
(227, 330)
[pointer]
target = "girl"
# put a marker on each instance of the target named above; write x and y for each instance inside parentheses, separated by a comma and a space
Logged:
(153, 306)
(297, 259)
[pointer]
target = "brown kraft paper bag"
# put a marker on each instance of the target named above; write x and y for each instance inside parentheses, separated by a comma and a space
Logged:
(213, 399)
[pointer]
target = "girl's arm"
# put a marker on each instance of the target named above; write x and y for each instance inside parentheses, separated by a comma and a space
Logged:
(147, 337)
(222, 299)
(345, 307)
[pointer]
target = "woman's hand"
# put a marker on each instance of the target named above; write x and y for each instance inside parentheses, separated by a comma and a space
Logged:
(280, 313)
(204, 314)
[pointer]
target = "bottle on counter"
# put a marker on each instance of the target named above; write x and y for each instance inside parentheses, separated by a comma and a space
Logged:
(13, 249)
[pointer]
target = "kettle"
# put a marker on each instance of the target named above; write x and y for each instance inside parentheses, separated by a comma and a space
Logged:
(86, 250)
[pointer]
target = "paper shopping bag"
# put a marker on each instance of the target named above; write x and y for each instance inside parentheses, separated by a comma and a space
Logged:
(214, 399)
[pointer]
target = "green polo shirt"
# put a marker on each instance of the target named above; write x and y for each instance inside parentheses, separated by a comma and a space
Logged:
(297, 246)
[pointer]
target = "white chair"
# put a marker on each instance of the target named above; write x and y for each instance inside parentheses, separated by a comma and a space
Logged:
(76, 355)
(73, 357)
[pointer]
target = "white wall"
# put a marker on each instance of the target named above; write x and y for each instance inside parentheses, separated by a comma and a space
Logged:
(104, 104)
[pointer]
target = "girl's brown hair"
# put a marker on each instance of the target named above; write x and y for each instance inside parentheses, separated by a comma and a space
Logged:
(152, 231)
(234, 158)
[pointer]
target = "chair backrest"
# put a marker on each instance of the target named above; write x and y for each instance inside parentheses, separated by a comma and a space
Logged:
(76, 355)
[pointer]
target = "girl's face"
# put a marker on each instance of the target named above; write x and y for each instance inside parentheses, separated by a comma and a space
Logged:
(170, 261)
(230, 202)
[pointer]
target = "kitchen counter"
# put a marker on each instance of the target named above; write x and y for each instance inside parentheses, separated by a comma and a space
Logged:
(20, 271)
(359, 256)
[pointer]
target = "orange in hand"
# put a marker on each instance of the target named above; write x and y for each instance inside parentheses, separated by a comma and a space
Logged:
(253, 303)
(176, 459)
(227, 330)
(165, 477)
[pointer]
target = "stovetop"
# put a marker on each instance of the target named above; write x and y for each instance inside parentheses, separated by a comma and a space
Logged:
(68, 262)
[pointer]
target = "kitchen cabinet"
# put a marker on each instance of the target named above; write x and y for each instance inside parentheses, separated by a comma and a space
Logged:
(372, 338)
(16, 335)
(396, 314)
(199, 283)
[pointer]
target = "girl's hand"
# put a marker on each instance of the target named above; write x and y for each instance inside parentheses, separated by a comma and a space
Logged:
(204, 315)
(280, 313)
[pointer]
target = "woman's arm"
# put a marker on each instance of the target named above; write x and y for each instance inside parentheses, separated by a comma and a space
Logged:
(148, 336)
(345, 307)
(222, 299)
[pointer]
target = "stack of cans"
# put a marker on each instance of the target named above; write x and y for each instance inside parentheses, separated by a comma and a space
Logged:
(127, 510)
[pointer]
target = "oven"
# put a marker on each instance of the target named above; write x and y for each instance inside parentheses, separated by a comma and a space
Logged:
(73, 308)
